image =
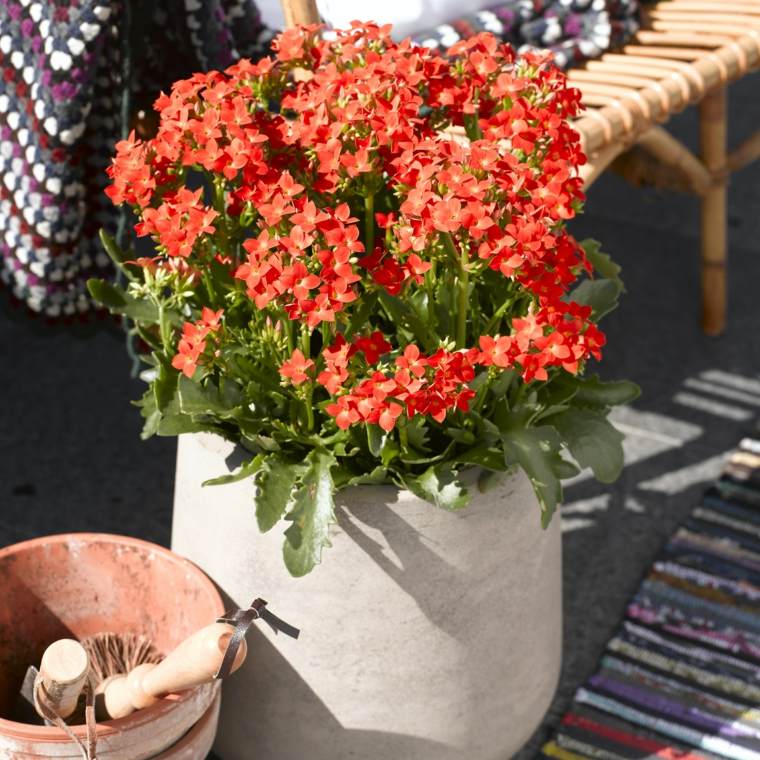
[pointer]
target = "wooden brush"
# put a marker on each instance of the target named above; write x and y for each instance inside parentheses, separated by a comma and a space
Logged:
(195, 661)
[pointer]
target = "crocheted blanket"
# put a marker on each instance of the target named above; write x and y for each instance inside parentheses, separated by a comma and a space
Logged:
(574, 30)
(65, 101)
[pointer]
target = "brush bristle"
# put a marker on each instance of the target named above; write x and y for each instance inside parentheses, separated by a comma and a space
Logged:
(114, 653)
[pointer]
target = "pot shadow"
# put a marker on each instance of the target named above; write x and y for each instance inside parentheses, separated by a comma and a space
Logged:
(416, 562)
(27, 627)
(285, 718)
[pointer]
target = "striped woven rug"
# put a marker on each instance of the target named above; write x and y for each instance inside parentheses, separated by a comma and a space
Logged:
(681, 678)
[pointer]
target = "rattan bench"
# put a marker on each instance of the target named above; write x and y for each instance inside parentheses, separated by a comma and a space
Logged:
(687, 52)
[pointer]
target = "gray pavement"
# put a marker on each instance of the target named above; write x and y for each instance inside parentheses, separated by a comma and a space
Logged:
(71, 458)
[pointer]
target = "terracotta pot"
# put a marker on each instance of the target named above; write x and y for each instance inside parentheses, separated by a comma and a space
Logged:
(426, 634)
(79, 584)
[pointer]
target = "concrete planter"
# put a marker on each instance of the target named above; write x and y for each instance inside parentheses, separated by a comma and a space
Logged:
(426, 635)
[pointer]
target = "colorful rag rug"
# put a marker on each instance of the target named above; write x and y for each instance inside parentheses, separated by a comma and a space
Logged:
(681, 678)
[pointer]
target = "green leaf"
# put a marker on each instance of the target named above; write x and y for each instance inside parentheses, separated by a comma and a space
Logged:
(488, 433)
(592, 441)
(444, 298)
(376, 438)
(390, 451)
(149, 413)
(312, 511)
(600, 295)
(461, 436)
(417, 434)
(490, 479)
(500, 386)
(275, 480)
(602, 262)
(594, 392)
(118, 256)
(420, 302)
(402, 313)
(537, 451)
(376, 477)
(382, 444)
(164, 386)
(440, 486)
(116, 300)
(244, 471)
(178, 424)
(361, 315)
(483, 456)
(564, 469)
(206, 398)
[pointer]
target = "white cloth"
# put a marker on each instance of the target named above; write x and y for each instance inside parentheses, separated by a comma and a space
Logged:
(407, 16)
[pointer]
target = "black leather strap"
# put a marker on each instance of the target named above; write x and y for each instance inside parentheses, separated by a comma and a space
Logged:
(242, 620)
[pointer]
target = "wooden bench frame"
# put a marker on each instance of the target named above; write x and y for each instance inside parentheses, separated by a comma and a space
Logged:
(687, 52)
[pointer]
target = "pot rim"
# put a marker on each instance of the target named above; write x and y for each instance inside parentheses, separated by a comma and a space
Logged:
(27, 731)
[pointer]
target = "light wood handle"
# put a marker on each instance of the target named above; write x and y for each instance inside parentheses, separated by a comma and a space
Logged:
(63, 673)
(195, 661)
(300, 12)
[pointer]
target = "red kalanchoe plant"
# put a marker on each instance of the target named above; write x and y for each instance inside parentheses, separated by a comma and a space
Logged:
(363, 275)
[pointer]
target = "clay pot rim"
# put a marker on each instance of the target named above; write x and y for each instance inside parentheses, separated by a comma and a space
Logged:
(28, 731)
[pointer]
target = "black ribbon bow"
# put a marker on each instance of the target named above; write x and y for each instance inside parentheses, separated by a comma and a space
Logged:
(242, 620)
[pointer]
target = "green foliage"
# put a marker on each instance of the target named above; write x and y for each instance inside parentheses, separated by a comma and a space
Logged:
(117, 300)
(592, 441)
(311, 512)
(440, 486)
(297, 457)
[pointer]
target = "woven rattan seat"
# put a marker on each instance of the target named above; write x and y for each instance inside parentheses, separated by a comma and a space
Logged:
(686, 53)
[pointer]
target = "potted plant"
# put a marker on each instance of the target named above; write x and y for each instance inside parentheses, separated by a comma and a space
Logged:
(364, 298)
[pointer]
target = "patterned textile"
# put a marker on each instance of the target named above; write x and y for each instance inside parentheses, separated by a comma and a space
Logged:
(681, 679)
(573, 30)
(62, 66)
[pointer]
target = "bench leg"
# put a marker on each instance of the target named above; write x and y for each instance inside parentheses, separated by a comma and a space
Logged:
(712, 138)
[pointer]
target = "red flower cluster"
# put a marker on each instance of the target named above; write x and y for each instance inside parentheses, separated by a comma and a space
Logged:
(427, 385)
(359, 182)
(194, 341)
(276, 270)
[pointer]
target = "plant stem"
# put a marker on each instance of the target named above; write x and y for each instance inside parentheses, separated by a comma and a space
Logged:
(463, 289)
(163, 326)
(498, 314)
(403, 437)
(369, 223)
(221, 209)
(309, 389)
(287, 326)
(209, 283)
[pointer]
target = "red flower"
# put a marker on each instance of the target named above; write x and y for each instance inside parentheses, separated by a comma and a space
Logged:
(372, 346)
(496, 351)
(297, 367)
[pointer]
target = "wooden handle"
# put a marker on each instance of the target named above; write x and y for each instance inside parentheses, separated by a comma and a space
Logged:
(195, 661)
(63, 673)
(300, 12)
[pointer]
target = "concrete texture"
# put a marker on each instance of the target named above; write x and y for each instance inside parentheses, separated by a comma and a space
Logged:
(71, 458)
(399, 657)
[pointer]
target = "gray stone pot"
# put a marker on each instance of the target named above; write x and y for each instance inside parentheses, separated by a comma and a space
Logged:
(426, 635)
